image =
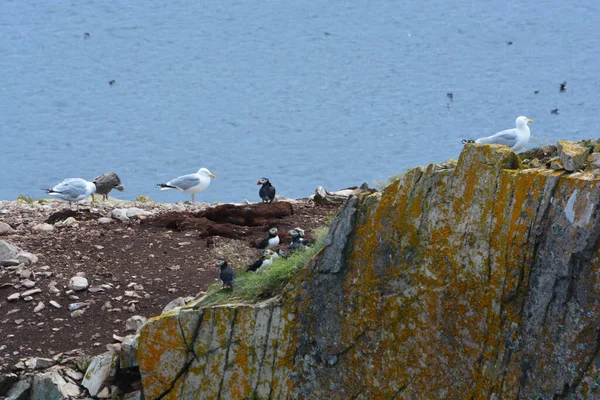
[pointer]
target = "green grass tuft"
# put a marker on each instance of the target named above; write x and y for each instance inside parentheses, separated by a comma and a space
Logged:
(252, 286)
(25, 198)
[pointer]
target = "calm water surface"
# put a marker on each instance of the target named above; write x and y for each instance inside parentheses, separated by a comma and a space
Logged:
(324, 92)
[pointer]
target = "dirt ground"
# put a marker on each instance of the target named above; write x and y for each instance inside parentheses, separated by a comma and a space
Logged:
(134, 268)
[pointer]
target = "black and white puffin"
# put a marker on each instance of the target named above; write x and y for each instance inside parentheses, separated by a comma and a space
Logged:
(267, 191)
(271, 241)
(227, 274)
(298, 240)
(263, 262)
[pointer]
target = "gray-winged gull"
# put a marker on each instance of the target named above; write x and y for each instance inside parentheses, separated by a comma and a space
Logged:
(515, 138)
(192, 183)
(72, 190)
(107, 182)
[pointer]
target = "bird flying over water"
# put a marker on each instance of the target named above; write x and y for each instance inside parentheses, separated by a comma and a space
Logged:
(107, 182)
(515, 138)
(267, 191)
(191, 183)
(72, 190)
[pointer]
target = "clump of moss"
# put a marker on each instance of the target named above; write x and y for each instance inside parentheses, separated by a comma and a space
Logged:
(144, 199)
(252, 286)
(25, 198)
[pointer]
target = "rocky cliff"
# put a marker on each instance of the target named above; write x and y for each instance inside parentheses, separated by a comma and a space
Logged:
(474, 279)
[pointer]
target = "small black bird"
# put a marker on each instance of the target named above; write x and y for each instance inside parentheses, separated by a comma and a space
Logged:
(107, 182)
(555, 111)
(509, 43)
(536, 91)
(227, 274)
(271, 241)
(267, 191)
(111, 82)
(86, 35)
(263, 262)
(450, 96)
(298, 240)
(563, 86)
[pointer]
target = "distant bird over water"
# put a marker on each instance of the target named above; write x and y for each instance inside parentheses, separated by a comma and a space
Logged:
(267, 191)
(554, 111)
(515, 138)
(191, 183)
(72, 190)
(226, 274)
(107, 182)
(563, 86)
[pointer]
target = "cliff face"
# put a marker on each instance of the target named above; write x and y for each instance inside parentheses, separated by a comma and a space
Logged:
(474, 280)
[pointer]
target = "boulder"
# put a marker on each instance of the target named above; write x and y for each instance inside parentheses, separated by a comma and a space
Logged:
(572, 155)
(5, 229)
(19, 390)
(52, 386)
(8, 250)
(100, 373)
(593, 161)
(128, 356)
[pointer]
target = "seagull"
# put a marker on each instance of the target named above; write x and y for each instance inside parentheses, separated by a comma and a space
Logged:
(227, 274)
(515, 138)
(267, 191)
(107, 182)
(72, 190)
(191, 183)
(271, 241)
(262, 263)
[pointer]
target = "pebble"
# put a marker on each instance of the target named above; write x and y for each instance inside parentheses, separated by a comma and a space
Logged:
(53, 290)
(27, 298)
(14, 297)
(104, 220)
(27, 258)
(55, 304)
(77, 306)
(42, 228)
(78, 283)
(77, 313)
(31, 292)
(40, 306)
(28, 283)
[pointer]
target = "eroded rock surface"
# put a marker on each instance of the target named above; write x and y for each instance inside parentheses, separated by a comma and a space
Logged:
(479, 280)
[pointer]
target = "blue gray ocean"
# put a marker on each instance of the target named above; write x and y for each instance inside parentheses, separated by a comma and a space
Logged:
(306, 93)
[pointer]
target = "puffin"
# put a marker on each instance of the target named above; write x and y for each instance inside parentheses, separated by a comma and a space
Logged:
(72, 190)
(227, 274)
(263, 262)
(191, 183)
(267, 191)
(107, 182)
(271, 241)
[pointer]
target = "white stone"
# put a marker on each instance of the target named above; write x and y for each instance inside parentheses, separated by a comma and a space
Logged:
(39, 363)
(27, 258)
(104, 220)
(178, 302)
(135, 323)
(13, 297)
(8, 250)
(120, 214)
(78, 283)
(31, 292)
(53, 290)
(77, 306)
(42, 228)
(100, 373)
(70, 222)
(28, 283)
(40, 306)
(55, 304)
(134, 212)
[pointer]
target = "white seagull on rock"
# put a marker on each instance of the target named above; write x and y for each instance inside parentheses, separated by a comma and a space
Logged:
(192, 183)
(515, 138)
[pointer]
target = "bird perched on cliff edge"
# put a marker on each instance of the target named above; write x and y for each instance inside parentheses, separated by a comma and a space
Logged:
(515, 138)
(271, 241)
(262, 263)
(107, 182)
(298, 241)
(72, 190)
(267, 191)
(227, 274)
(191, 183)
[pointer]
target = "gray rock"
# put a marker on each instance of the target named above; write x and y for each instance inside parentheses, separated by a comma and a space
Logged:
(135, 323)
(5, 229)
(129, 349)
(338, 236)
(6, 381)
(78, 283)
(11, 262)
(178, 302)
(8, 250)
(28, 283)
(55, 304)
(40, 306)
(19, 390)
(52, 386)
(120, 214)
(27, 258)
(39, 363)
(137, 395)
(100, 373)
(77, 306)
(104, 220)
(70, 222)
(31, 292)
(134, 212)
(572, 155)
(42, 228)
(13, 297)
(593, 161)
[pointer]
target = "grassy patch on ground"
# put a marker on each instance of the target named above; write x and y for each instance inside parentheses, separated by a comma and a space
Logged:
(252, 286)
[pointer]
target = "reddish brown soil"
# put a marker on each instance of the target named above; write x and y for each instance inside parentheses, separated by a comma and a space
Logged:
(170, 255)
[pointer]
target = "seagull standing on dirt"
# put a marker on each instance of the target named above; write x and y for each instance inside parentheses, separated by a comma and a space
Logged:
(271, 241)
(262, 263)
(267, 191)
(191, 183)
(107, 182)
(515, 138)
(227, 274)
(72, 190)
